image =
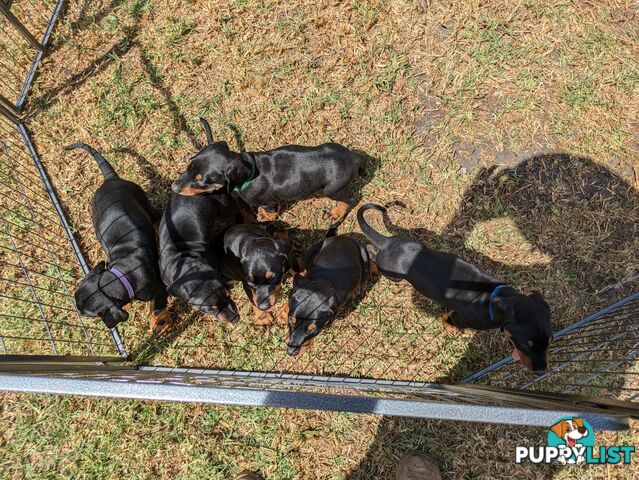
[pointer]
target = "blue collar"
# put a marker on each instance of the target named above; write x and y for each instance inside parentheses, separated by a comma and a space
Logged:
(491, 310)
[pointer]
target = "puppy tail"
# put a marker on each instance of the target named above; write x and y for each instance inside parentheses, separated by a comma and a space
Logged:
(332, 231)
(379, 240)
(105, 167)
(207, 130)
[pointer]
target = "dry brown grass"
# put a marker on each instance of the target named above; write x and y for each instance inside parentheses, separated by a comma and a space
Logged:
(439, 98)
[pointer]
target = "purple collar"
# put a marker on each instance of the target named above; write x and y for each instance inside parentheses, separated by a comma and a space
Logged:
(125, 282)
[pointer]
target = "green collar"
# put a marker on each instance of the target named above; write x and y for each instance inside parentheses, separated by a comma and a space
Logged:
(245, 185)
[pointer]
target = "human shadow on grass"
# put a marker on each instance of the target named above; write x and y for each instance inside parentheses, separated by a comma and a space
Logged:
(582, 216)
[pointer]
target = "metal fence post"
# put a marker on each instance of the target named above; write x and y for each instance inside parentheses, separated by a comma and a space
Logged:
(6, 10)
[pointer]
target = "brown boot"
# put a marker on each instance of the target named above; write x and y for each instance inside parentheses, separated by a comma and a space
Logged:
(417, 466)
(245, 475)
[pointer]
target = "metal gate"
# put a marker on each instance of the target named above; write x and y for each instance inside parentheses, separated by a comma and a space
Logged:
(46, 346)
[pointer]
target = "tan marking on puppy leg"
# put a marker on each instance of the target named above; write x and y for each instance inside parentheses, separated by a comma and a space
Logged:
(126, 307)
(449, 327)
(282, 315)
(267, 216)
(306, 345)
(339, 212)
(161, 322)
(262, 318)
(373, 267)
(272, 298)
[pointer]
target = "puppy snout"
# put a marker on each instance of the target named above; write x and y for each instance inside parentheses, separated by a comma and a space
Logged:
(263, 299)
(264, 305)
(176, 186)
(582, 430)
(293, 351)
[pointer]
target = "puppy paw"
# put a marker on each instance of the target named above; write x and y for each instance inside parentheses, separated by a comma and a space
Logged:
(162, 323)
(263, 318)
(372, 267)
(337, 213)
(282, 315)
(266, 216)
(449, 327)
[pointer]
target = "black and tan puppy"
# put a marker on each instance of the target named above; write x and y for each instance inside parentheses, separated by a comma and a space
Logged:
(188, 263)
(336, 268)
(124, 225)
(269, 179)
(478, 300)
(247, 253)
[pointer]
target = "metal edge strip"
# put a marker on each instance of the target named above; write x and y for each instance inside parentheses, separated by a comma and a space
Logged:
(303, 400)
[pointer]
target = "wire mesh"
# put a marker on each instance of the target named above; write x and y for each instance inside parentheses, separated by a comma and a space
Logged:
(25, 26)
(38, 267)
(598, 358)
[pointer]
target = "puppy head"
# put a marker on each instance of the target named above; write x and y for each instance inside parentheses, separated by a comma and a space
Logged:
(573, 429)
(206, 291)
(92, 301)
(312, 306)
(527, 325)
(215, 167)
(265, 264)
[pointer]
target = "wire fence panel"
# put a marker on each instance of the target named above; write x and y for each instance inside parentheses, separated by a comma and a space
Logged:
(598, 357)
(382, 362)
(38, 266)
(446, 402)
(25, 30)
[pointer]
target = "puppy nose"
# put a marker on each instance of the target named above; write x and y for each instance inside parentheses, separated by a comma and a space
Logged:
(264, 305)
(293, 351)
(175, 186)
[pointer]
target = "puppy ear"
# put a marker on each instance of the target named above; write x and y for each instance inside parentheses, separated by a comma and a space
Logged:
(299, 280)
(333, 302)
(504, 307)
(578, 421)
(113, 316)
(559, 429)
(536, 295)
(99, 267)
(283, 245)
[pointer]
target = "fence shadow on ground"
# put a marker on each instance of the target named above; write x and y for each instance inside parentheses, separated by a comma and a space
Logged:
(74, 81)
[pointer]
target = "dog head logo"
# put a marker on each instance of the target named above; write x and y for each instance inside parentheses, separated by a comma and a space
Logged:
(570, 431)
(573, 434)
